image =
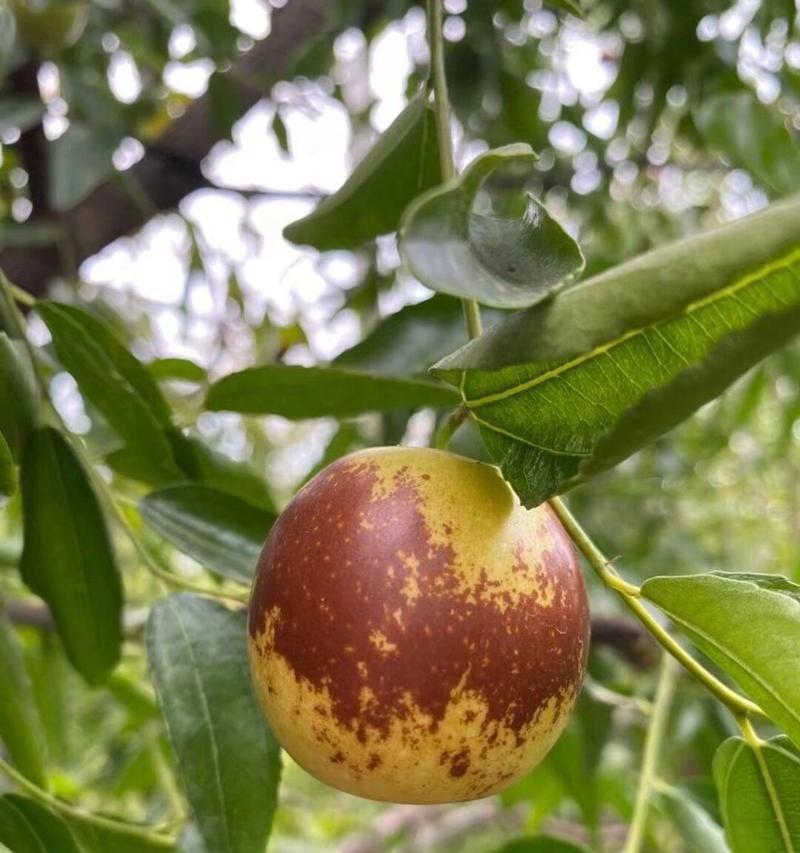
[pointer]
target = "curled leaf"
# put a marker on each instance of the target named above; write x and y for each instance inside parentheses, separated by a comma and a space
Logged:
(453, 246)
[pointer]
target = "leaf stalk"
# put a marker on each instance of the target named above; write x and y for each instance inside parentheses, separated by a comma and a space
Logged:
(630, 594)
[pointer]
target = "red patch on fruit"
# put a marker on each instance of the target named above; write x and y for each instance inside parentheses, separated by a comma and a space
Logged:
(367, 599)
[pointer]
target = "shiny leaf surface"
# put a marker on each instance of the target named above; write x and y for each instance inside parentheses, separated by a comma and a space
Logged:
(452, 247)
(569, 388)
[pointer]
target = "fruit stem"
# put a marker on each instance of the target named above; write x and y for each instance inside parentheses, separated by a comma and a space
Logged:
(631, 594)
(449, 426)
(147, 834)
(652, 750)
(441, 102)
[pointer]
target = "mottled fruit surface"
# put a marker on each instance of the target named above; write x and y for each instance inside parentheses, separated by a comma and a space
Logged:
(415, 634)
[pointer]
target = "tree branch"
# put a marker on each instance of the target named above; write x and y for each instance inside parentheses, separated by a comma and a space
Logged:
(170, 169)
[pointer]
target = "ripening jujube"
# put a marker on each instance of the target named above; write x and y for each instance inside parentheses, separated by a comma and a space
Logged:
(416, 635)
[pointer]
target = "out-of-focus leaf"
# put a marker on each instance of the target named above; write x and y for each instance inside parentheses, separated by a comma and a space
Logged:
(279, 129)
(20, 725)
(402, 163)
(221, 531)
(229, 761)
(541, 844)
(116, 383)
(177, 368)
(312, 392)
(410, 341)
(225, 102)
(191, 841)
(759, 794)
(67, 558)
(8, 473)
(18, 393)
(752, 136)
(8, 37)
(117, 839)
(574, 8)
(18, 112)
(28, 827)
(696, 826)
(569, 388)
(80, 159)
(222, 472)
(453, 248)
(749, 625)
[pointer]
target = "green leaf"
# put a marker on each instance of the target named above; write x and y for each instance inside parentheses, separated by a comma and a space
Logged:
(177, 368)
(8, 37)
(121, 838)
(67, 558)
(402, 163)
(749, 625)
(507, 262)
(228, 759)
(541, 844)
(116, 383)
(19, 112)
(19, 398)
(20, 726)
(28, 827)
(313, 392)
(759, 793)
(217, 529)
(569, 388)
(411, 340)
(753, 136)
(574, 8)
(8, 473)
(696, 827)
(80, 159)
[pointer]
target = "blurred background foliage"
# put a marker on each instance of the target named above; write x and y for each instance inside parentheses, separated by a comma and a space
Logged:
(652, 120)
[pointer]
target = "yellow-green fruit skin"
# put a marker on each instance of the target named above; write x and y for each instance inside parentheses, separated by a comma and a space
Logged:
(415, 635)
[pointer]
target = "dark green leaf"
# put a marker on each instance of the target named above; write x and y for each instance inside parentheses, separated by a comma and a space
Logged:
(116, 383)
(402, 163)
(177, 368)
(569, 388)
(121, 838)
(752, 136)
(759, 794)
(229, 761)
(8, 472)
(18, 112)
(749, 625)
(411, 340)
(226, 105)
(67, 558)
(453, 248)
(541, 844)
(80, 159)
(28, 827)
(19, 402)
(574, 8)
(312, 392)
(20, 726)
(279, 129)
(219, 530)
(222, 472)
(696, 826)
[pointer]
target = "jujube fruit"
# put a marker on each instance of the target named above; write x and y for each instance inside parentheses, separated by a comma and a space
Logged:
(415, 635)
